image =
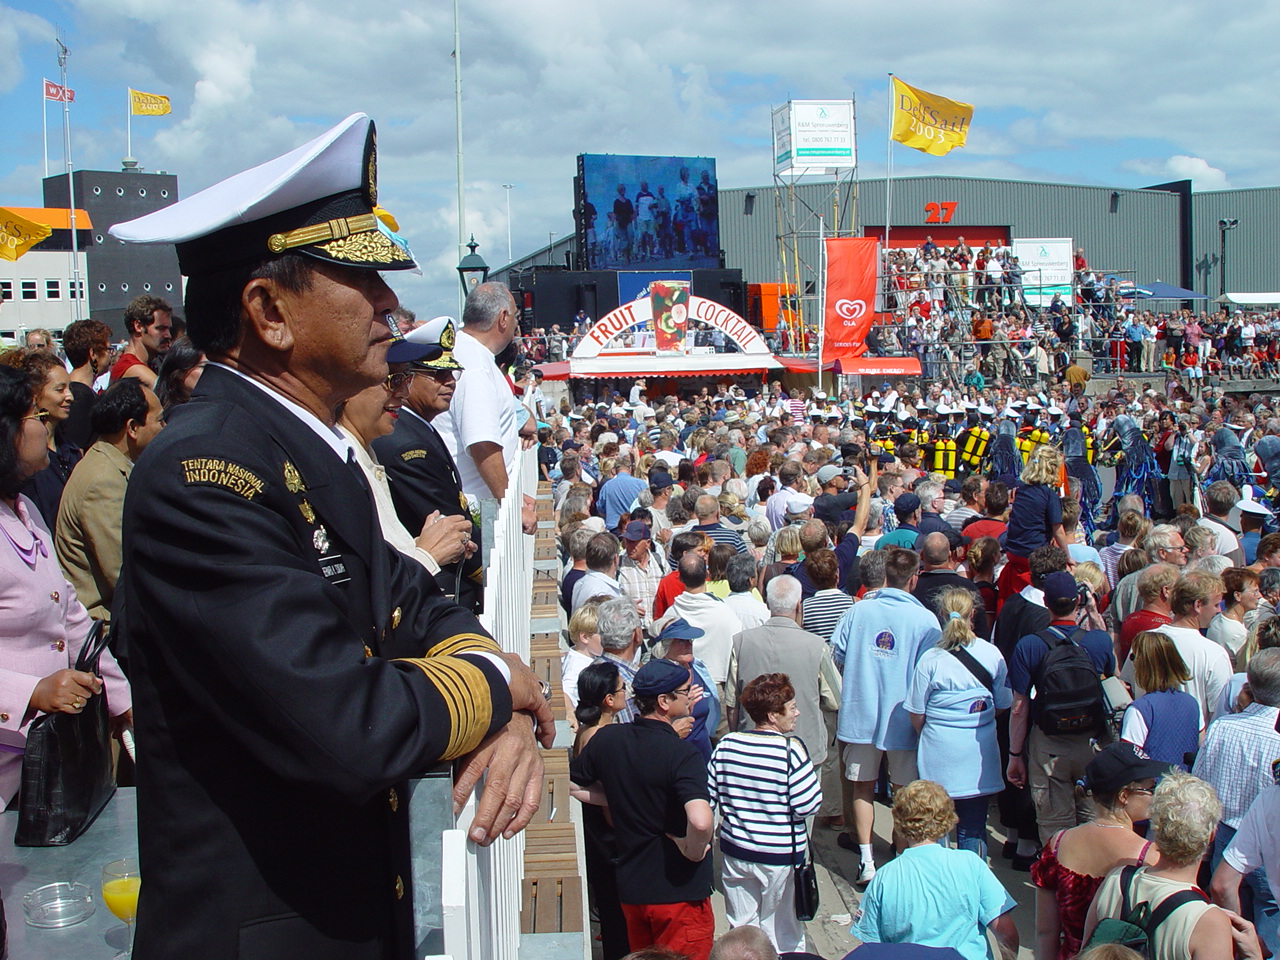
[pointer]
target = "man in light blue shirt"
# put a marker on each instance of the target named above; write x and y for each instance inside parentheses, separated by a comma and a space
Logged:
(619, 492)
(877, 645)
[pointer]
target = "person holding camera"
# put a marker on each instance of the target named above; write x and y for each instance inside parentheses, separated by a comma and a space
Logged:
(1184, 448)
(1051, 734)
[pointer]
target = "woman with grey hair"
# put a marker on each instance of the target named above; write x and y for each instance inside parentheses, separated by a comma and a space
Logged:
(1184, 816)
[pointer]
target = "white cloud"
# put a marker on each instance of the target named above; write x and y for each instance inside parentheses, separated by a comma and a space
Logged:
(1062, 91)
(1202, 174)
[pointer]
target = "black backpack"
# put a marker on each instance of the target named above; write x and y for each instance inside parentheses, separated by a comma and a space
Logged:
(1135, 928)
(1069, 696)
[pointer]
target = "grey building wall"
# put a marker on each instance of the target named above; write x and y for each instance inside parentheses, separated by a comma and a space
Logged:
(1135, 231)
(117, 271)
(1253, 263)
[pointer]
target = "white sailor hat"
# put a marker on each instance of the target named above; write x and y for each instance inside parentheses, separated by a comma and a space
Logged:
(942, 410)
(970, 405)
(1249, 505)
(1034, 404)
(1055, 411)
(986, 410)
(430, 345)
(319, 200)
(1237, 426)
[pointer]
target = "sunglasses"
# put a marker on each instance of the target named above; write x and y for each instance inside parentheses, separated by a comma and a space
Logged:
(41, 415)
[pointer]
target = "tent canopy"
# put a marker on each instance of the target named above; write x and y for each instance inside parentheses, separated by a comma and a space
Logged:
(1167, 291)
(1250, 299)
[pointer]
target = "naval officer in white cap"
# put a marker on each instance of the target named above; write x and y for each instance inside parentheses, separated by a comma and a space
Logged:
(291, 671)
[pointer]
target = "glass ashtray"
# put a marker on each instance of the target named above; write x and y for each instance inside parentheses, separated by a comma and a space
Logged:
(58, 905)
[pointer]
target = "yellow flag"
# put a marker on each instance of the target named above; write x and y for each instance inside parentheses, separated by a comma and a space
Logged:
(18, 234)
(147, 104)
(927, 121)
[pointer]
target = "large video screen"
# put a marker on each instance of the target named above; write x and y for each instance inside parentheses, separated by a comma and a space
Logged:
(647, 211)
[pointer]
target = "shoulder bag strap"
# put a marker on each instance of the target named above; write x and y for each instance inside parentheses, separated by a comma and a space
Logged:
(980, 673)
(1170, 904)
(1126, 882)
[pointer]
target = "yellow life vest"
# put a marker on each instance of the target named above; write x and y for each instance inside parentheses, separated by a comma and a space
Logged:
(1088, 442)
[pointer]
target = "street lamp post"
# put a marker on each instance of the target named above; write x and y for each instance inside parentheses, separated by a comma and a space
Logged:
(551, 239)
(507, 187)
(472, 270)
(1225, 224)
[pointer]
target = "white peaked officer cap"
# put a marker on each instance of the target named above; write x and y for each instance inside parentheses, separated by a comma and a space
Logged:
(319, 200)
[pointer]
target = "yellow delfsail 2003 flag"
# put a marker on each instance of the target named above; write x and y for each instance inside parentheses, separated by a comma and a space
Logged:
(147, 104)
(927, 121)
(18, 234)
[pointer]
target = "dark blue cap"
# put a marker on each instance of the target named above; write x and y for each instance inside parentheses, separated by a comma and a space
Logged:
(659, 676)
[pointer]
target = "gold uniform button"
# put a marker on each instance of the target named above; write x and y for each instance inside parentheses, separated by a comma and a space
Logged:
(367, 651)
(393, 798)
(61, 645)
(395, 618)
(399, 888)
(4, 718)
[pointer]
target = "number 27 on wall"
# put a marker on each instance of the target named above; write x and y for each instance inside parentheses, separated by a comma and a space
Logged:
(940, 212)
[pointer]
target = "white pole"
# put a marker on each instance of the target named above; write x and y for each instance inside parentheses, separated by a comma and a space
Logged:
(822, 312)
(457, 100)
(507, 187)
(888, 168)
(128, 122)
(44, 119)
(71, 188)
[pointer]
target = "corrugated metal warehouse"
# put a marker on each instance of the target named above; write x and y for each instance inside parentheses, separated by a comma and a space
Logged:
(1164, 233)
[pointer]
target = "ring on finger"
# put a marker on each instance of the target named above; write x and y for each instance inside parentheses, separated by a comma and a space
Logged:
(78, 703)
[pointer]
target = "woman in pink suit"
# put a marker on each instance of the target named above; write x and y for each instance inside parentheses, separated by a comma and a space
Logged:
(42, 624)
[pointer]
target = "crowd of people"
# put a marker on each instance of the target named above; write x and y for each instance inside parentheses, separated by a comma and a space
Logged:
(806, 601)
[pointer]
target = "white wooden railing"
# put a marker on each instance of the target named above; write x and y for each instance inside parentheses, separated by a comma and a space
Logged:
(480, 890)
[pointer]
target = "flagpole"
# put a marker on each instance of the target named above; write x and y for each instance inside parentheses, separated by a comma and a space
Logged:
(128, 122)
(71, 187)
(44, 119)
(888, 196)
(888, 168)
(822, 310)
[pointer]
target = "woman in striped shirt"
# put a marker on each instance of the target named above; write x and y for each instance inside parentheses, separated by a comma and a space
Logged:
(765, 786)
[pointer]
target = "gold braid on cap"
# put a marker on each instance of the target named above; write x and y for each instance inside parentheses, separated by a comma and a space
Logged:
(320, 232)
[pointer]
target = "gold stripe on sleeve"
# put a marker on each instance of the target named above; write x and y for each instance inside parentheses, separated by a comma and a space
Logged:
(464, 643)
(465, 691)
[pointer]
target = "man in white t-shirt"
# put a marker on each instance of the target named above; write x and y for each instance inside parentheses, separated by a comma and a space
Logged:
(1195, 600)
(481, 427)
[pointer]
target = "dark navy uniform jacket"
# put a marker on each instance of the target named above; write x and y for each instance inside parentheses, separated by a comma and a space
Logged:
(262, 613)
(423, 477)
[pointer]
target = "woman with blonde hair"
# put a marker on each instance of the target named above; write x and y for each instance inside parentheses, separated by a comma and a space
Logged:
(1164, 721)
(955, 692)
(932, 896)
(786, 544)
(1185, 812)
(1035, 518)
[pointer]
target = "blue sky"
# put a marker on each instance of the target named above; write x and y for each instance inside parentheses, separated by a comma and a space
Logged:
(1085, 92)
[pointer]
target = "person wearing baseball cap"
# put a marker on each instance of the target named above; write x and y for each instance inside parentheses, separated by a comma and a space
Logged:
(675, 643)
(655, 785)
(641, 568)
(1035, 734)
(907, 509)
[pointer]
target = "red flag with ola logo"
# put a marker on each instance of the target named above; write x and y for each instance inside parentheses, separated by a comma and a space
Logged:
(851, 295)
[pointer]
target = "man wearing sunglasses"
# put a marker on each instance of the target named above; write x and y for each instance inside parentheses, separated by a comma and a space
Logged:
(422, 474)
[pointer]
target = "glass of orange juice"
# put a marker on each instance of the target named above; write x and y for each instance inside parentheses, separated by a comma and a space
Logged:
(121, 882)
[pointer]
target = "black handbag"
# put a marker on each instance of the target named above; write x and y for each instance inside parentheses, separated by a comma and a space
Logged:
(67, 772)
(805, 875)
